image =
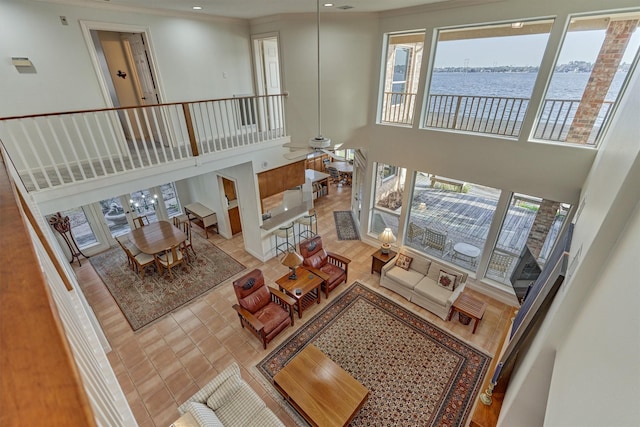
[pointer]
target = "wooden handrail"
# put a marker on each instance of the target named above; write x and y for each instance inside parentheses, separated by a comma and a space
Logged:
(133, 107)
(40, 381)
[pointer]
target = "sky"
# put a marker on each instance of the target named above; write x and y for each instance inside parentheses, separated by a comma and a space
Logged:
(524, 50)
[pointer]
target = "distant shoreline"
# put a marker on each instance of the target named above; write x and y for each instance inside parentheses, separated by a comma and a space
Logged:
(582, 67)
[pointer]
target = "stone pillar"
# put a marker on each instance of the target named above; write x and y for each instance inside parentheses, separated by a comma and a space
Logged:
(611, 52)
(541, 225)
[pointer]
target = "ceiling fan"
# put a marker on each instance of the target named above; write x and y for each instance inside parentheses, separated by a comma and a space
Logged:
(318, 143)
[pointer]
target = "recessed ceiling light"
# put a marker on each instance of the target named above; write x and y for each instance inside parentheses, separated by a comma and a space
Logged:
(328, 4)
(197, 7)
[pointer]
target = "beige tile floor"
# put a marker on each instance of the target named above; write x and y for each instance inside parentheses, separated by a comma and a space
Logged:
(164, 363)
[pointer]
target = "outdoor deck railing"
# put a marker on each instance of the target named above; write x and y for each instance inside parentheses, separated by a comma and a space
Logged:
(51, 150)
(491, 114)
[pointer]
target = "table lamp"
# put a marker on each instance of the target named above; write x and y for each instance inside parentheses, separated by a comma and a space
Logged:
(386, 237)
(292, 260)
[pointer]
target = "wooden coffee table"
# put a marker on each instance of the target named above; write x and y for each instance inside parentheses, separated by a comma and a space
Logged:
(469, 306)
(320, 390)
(309, 286)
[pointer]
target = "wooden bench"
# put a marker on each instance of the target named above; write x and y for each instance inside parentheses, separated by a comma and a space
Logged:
(458, 185)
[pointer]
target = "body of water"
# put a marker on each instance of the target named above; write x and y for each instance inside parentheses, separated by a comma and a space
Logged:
(516, 85)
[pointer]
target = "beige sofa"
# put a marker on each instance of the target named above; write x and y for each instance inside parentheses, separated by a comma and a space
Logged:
(419, 284)
(227, 400)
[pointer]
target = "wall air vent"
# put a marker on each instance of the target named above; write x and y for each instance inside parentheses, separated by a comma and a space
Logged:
(345, 7)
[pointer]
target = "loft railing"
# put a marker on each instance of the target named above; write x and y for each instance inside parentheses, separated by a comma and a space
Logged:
(398, 107)
(491, 114)
(51, 150)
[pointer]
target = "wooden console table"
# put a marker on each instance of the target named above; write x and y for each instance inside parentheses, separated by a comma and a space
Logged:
(206, 216)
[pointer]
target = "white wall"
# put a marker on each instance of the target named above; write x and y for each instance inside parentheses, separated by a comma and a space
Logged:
(593, 325)
(190, 54)
(347, 46)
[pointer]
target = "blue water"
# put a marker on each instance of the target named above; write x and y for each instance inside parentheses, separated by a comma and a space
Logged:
(516, 85)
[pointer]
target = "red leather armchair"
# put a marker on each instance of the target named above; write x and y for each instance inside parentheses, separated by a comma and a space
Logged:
(331, 267)
(265, 311)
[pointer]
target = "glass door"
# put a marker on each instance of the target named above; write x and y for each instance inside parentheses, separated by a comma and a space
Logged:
(117, 216)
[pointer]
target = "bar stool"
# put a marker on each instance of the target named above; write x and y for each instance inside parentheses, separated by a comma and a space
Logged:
(306, 225)
(287, 234)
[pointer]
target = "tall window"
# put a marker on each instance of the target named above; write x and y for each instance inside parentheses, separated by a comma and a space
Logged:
(387, 201)
(80, 227)
(450, 219)
(171, 201)
(402, 73)
(483, 76)
(594, 63)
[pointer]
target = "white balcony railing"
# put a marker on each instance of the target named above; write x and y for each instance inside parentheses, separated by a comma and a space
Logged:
(58, 149)
(491, 114)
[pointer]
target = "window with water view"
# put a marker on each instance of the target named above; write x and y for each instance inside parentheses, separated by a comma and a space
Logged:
(483, 77)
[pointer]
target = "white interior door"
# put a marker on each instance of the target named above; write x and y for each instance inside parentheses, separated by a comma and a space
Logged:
(146, 85)
(267, 70)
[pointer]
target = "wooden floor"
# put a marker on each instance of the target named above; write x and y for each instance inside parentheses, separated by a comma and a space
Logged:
(164, 363)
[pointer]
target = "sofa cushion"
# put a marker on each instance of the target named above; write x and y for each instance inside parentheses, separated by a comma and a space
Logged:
(447, 280)
(242, 408)
(420, 264)
(427, 288)
(317, 260)
(203, 415)
(404, 261)
(408, 278)
(224, 392)
(256, 300)
(264, 418)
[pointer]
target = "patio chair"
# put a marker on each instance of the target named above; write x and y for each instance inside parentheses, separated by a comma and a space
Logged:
(414, 231)
(435, 239)
(500, 263)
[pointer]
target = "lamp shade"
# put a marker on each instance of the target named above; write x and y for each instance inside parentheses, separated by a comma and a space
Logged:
(387, 236)
(292, 260)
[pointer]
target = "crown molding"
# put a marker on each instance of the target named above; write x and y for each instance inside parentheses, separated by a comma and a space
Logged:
(105, 5)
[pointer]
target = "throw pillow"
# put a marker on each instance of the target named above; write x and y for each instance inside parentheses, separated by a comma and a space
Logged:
(447, 280)
(404, 261)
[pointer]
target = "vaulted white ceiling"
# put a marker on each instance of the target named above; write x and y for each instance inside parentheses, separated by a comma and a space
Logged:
(249, 9)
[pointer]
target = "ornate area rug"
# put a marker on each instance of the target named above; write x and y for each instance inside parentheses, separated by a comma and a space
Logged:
(417, 374)
(345, 225)
(144, 300)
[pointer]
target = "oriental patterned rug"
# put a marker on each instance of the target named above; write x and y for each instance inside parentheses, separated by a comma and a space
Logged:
(345, 225)
(417, 374)
(144, 300)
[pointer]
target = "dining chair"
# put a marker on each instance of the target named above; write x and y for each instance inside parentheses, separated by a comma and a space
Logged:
(188, 244)
(335, 175)
(129, 249)
(170, 258)
(140, 221)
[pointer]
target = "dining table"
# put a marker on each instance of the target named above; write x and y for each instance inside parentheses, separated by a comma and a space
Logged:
(157, 236)
(345, 169)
